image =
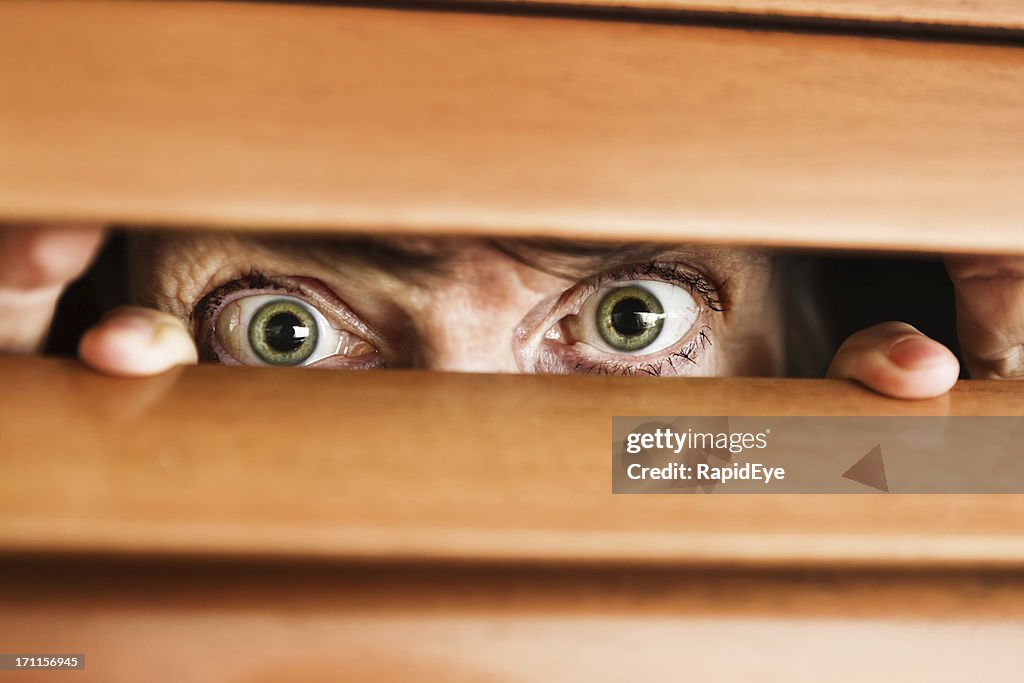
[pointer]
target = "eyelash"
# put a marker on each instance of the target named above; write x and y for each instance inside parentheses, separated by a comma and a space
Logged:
(653, 368)
(674, 273)
(206, 309)
(697, 283)
(255, 279)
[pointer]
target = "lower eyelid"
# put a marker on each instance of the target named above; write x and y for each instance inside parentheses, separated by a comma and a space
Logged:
(558, 358)
(687, 357)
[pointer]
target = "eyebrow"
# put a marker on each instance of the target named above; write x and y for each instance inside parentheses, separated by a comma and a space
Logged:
(570, 259)
(380, 252)
(576, 258)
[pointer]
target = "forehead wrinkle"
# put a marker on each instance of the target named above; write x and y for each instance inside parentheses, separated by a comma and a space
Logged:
(423, 261)
(418, 258)
(573, 259)
(407, 258)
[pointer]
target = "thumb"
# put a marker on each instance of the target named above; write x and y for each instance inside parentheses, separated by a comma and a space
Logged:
(897, 360)
(137, 342)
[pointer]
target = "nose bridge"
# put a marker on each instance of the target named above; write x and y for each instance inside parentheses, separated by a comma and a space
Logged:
(454, 361)
(464, 330)
(484, 345)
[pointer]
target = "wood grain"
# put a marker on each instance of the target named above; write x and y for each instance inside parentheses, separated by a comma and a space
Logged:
(263, 624)
(283, 117)
(414, 466)
(964, 14)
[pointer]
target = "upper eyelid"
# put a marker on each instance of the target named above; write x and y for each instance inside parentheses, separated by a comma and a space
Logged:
(226, 285)
(677, 272)
(256, 282)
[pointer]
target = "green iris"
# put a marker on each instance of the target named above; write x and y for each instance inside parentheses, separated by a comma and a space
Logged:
(283, 332)
(630, 318)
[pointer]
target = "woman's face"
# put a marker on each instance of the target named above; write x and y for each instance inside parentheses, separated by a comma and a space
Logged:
(472, 305)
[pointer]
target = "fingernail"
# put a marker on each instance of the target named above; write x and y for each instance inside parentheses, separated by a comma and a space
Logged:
(174, 341)
(918, 353)
(132, 329)
(141, 331)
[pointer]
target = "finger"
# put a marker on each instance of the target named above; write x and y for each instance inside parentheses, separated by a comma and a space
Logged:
(897, 360)
(36, 263)
(137, 342)
(990, 314)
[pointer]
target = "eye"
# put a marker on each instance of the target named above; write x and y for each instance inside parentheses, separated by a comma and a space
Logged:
(654, 318)
(630, 318)
(283, 332)
(274, 329)
(636, 317)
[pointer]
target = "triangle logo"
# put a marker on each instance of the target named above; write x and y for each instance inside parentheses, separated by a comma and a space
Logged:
(869, 470)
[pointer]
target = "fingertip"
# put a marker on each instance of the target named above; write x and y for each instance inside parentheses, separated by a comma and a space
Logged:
(924, 368)
(917, 352)
(899, 362)
(38, 257)
(137, 343)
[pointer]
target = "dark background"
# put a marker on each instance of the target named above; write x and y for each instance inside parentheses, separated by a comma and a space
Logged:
(864, 290)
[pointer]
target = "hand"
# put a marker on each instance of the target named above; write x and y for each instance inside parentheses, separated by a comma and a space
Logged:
(37, 263)
(897, 360)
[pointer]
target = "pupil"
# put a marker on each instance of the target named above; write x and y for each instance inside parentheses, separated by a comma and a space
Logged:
(625, 318)
(284, 332)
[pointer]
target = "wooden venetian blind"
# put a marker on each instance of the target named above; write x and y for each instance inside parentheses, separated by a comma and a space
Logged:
(964, 16)
(200, 527)
(222, 524)
(258, 115)
(426, 466)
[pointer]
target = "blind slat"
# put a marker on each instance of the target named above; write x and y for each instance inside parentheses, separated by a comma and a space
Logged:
(259, 115)
(419, 466)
